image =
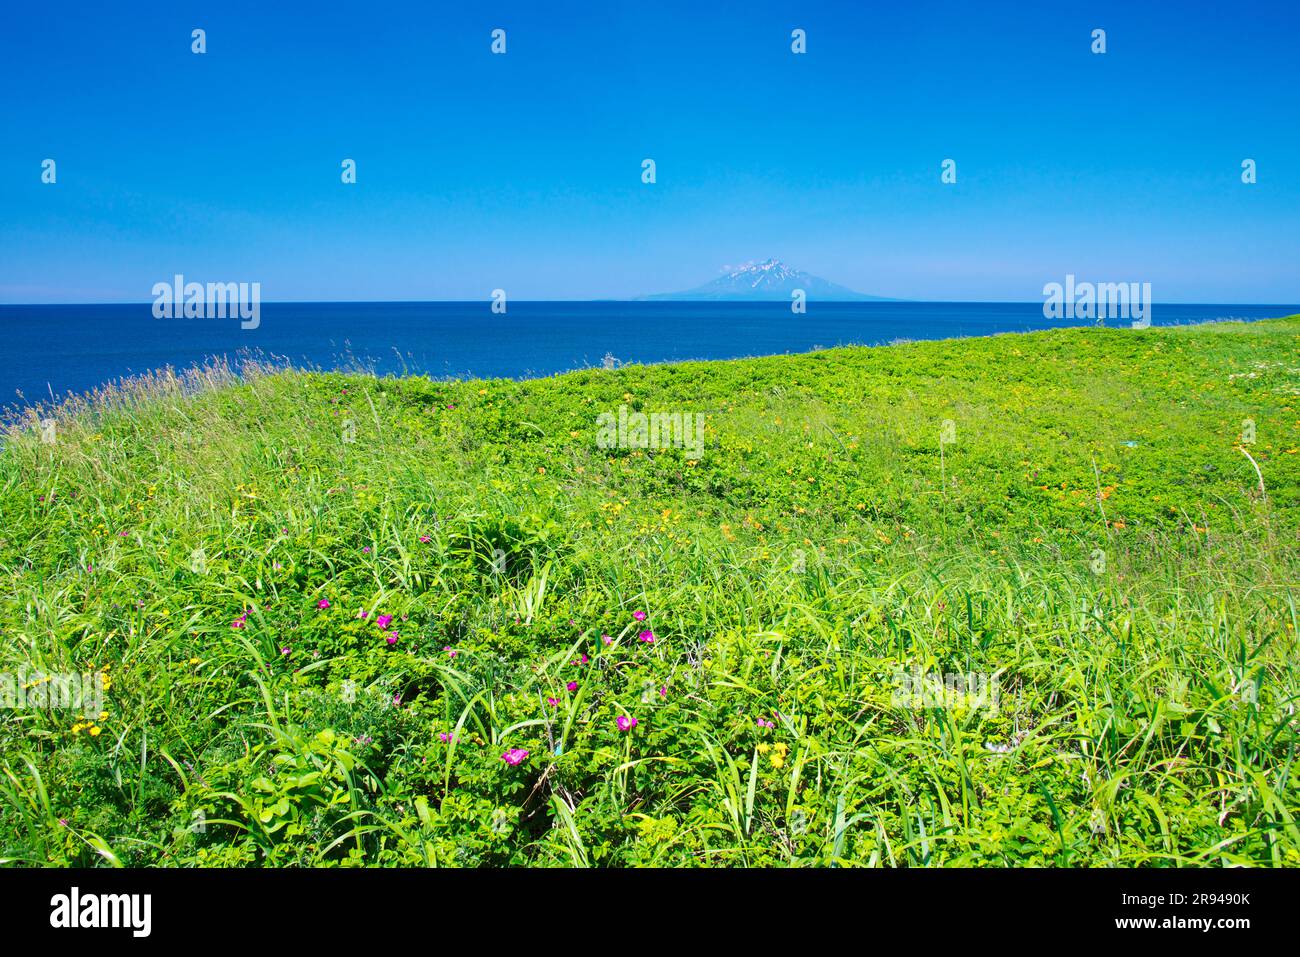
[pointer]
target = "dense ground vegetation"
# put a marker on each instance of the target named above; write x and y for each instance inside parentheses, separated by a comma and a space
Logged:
(373, 621)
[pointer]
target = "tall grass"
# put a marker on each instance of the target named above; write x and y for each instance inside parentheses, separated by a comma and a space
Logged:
(1093, 539)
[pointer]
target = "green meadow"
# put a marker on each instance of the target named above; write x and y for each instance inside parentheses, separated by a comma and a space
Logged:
(1026, 600)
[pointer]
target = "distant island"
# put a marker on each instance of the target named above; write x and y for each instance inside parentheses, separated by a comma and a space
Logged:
(771, 280)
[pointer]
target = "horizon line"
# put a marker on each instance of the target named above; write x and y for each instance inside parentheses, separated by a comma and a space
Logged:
(875, 301)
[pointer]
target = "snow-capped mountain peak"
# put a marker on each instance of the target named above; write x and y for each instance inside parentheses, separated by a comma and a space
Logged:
(770, 279)
(756, 274)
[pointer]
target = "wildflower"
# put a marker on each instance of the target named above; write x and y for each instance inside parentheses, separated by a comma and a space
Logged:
(625, 723)
(514, 756)
(284, 650)
(323, 603)
(363, 613)
(663, 692)
(778, 756)
(446, 737)
(392, 638)
(572, 686)
(639, 615)
(451, 652)
(383, 620)
(606, 639)
(647, 636)
(365, 550)
(553, 702)
(763, 723)
(425, 539)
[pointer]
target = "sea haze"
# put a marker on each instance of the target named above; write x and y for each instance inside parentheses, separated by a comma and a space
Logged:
(74, 348)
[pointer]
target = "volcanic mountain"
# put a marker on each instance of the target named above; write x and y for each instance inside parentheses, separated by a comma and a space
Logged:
(770, 280)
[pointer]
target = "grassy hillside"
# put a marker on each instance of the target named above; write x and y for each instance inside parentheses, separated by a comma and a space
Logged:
(1092, 541)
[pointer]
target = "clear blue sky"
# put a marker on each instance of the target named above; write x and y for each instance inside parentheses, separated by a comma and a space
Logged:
(523, 171)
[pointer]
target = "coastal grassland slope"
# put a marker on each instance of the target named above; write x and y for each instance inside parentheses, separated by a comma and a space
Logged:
(349, 620)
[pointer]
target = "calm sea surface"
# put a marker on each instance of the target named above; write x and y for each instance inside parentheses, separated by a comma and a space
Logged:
(61, 349)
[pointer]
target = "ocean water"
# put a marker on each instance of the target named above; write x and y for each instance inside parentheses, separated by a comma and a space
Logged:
(54, 350)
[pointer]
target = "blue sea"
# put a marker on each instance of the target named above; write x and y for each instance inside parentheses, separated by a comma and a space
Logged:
(53, 350)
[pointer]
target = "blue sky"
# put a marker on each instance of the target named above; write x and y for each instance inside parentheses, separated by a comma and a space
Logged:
(523, 171)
